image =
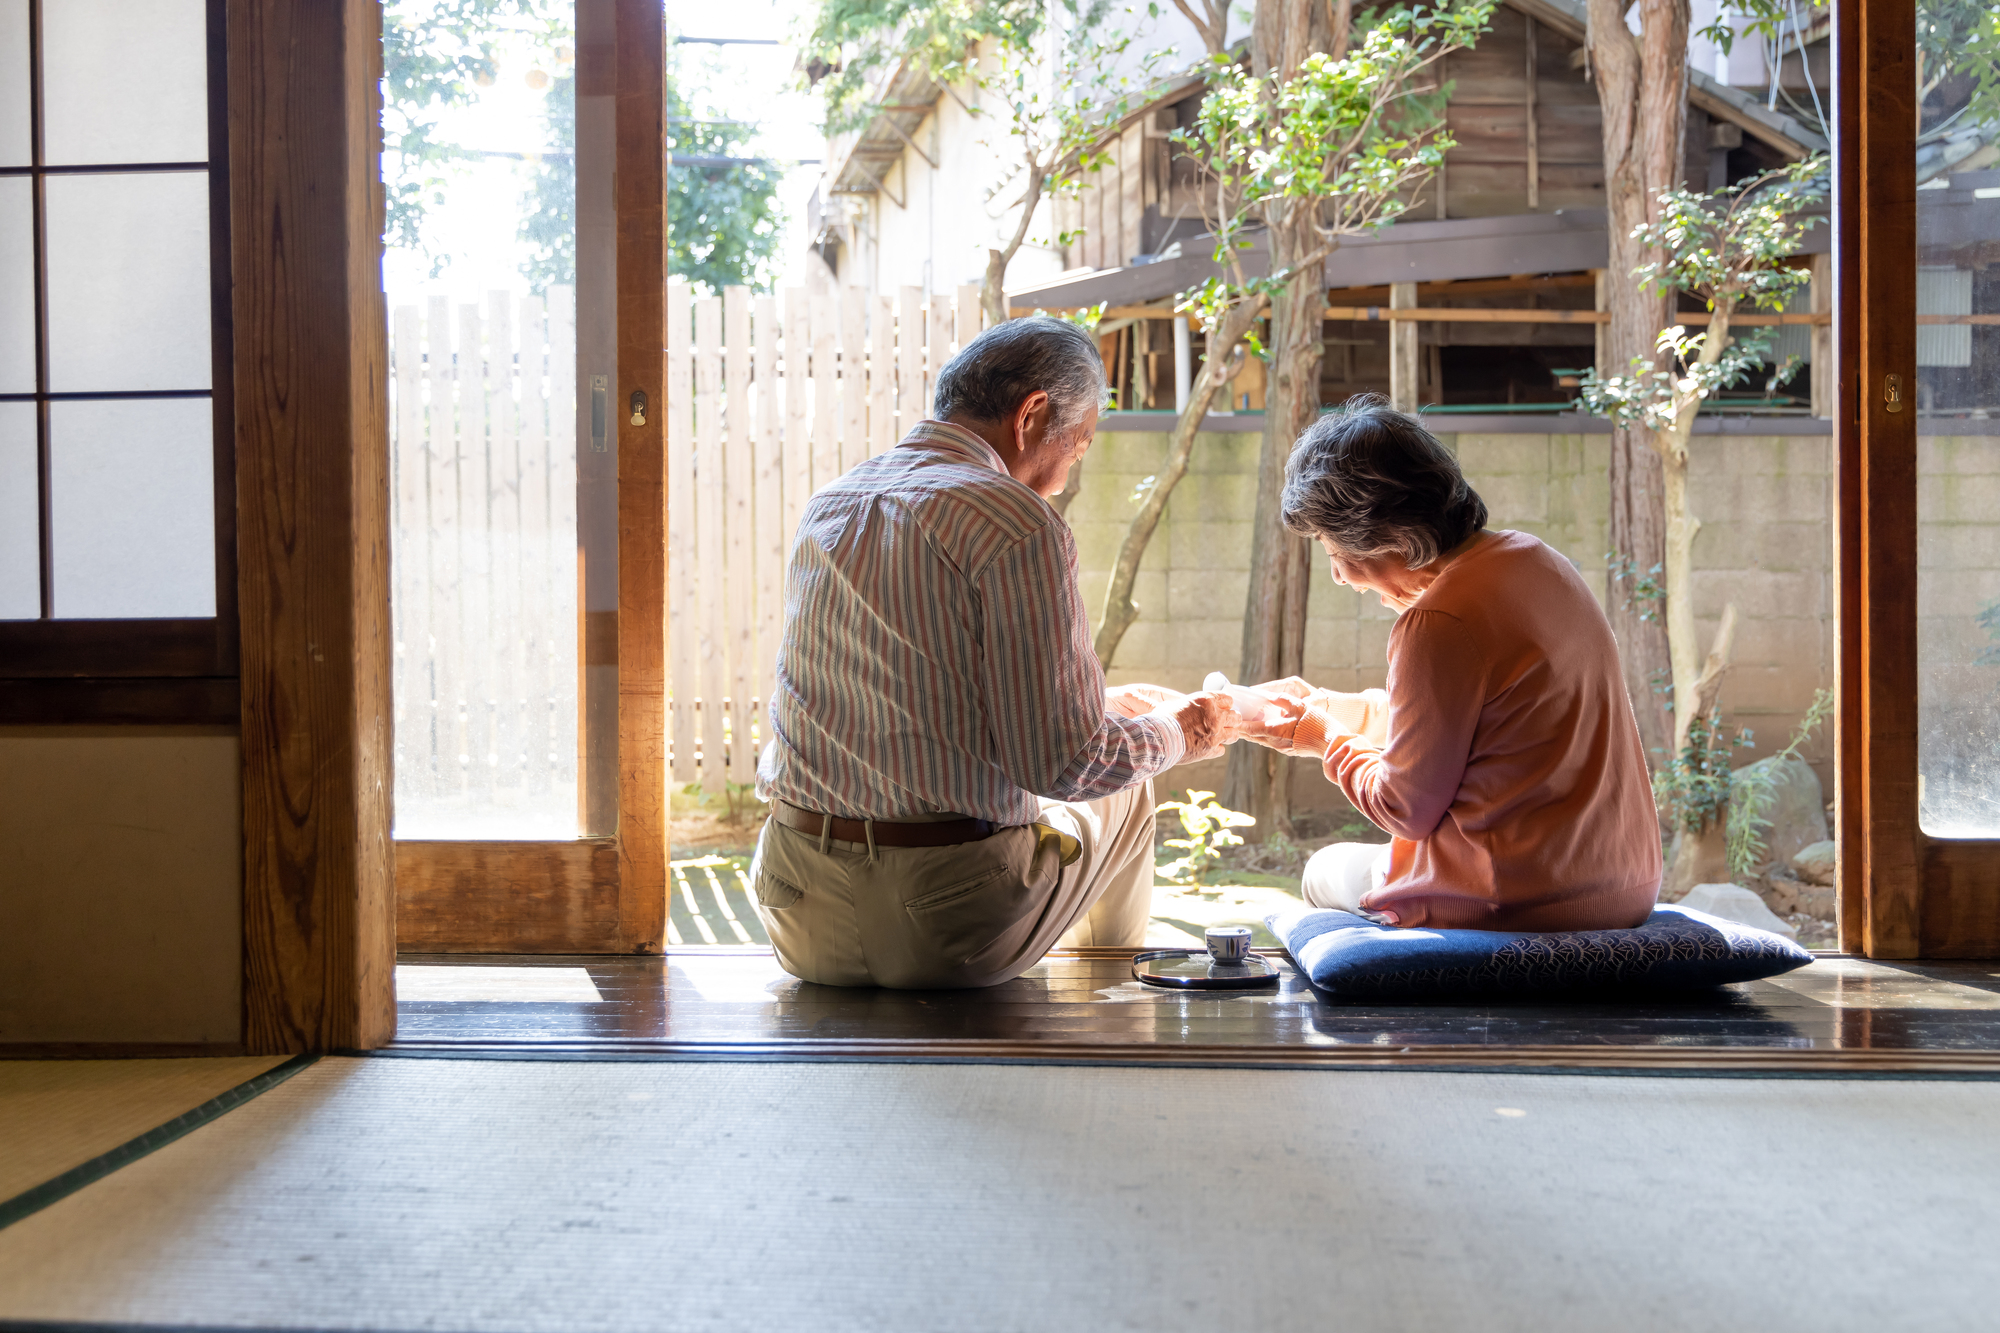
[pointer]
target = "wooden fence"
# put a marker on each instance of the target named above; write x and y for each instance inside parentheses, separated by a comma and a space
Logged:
(768, 400)
(483, 541)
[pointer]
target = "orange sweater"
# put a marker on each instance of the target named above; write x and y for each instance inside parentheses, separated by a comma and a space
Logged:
(1510, 772)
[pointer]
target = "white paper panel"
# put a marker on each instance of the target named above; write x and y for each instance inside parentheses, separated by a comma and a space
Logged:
(128, 282)
(20, 530)
(14, 145)
(17, 285)
(124, 81)
(134, 508)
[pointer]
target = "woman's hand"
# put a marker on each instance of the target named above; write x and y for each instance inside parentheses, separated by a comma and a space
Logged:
(1291, 687)
(1268, 719)
(1136, 700)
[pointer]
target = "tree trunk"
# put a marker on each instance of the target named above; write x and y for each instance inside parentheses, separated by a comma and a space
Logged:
(1283, 34)
(993, 291)
(1681, 526)
(1119, 608)
(1641, 89)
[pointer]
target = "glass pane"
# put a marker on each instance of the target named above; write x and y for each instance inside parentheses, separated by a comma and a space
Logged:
(132, 490)
(20, 529)
(128, 282)
(125, 81)
(17, 286)
(1958, 501)
(480, 274)
(14, 142)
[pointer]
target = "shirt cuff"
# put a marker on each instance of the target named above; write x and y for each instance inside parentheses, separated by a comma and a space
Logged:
(1173, 742)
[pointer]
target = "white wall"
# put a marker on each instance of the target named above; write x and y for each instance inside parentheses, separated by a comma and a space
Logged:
(952, 214)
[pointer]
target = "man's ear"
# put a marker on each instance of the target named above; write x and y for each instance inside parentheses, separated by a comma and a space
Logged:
(1025, 414)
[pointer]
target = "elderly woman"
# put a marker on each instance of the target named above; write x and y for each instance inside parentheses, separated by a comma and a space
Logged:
(1503, 758)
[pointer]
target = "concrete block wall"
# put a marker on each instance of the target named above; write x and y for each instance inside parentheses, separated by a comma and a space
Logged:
(1958, 577)
(1766, 542)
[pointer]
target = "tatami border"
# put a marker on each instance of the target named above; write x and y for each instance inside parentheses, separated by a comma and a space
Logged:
(32, 1201)
(1700, 1061)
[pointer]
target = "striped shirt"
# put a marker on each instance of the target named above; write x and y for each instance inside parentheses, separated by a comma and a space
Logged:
(936, 655)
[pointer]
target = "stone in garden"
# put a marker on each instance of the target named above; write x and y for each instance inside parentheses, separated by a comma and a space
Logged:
(1815, 862)
(1796, 809)
(1733, 902)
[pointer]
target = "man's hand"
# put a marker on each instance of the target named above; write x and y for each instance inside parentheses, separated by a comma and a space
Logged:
(1205, 721)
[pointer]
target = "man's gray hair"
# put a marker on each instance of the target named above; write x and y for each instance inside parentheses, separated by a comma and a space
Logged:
(992, 374)
(1372, 481)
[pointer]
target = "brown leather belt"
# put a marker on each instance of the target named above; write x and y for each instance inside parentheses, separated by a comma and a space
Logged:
(942, 833)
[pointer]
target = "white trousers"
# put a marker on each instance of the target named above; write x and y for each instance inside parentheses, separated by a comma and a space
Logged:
(1339, 874)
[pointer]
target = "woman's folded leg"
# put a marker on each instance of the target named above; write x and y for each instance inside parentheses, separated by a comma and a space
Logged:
(1339, 874)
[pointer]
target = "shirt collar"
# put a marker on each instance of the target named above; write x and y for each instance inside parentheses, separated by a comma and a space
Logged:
(945, 438)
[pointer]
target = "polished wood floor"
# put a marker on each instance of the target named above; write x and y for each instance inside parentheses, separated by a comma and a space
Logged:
(1839, 1013)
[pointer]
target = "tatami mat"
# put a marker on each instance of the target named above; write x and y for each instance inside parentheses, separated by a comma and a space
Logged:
(475, 1195)
(58, 1114)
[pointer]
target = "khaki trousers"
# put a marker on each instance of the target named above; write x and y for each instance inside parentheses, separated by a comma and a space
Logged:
(975, 914)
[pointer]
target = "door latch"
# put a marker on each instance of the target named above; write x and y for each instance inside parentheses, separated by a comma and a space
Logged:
(1892, 393)
(638, 407)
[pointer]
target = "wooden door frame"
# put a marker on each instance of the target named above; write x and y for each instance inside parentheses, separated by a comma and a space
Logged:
(321, 877)
(595, 895)
(1903, 894)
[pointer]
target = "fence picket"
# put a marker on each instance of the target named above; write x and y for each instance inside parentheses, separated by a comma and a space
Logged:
(740, 625)
(682, 683)
(771, 539)
(798, 407)
(881, 373)
(503, 499)
(911, 404)
(538, 621)
(709, 494)
(853, 378)
(825, 389)
(410, 599)
(969, 315)
(938, 348)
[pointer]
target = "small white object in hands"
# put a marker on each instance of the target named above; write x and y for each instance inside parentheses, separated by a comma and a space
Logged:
(1215, 680)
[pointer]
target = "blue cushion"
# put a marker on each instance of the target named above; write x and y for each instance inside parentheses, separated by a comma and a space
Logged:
(1676, 947)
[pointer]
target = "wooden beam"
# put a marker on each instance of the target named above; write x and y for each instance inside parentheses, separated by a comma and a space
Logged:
(641, 193)
(560, 897)
(312, 505)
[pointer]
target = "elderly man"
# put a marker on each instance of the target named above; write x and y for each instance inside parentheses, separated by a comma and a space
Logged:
(953, 790)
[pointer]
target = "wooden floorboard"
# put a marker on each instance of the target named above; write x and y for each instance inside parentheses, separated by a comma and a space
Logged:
(1838, 1015)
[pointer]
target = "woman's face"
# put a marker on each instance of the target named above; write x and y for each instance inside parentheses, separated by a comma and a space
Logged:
(1387, 576)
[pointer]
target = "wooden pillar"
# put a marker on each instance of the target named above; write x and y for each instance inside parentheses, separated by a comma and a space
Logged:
(312, 496)
(1875, 62)
(1403, 364)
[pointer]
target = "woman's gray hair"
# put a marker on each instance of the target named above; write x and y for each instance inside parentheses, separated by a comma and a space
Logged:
(1373, 482)
(992, 374)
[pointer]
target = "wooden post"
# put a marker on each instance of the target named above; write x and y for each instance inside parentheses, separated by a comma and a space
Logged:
(1403, 368)
(881, 374)
(312, 448)
(639, 200)
(1874, 190)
